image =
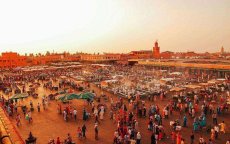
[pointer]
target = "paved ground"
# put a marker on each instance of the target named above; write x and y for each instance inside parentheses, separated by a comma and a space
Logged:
(49, 124)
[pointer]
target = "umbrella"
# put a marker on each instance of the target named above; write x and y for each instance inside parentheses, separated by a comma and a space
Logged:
(68, 96)
(62, 92)
(19, 96)
(61, 97)
(72, 96)
(43, 75)
(87, 95)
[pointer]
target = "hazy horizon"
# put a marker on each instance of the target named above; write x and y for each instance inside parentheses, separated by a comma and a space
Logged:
(114, 26)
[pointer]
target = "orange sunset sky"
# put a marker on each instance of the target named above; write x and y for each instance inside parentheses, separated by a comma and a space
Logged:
(118, 26)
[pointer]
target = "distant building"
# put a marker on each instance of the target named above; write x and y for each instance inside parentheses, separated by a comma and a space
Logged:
(146, 54)
(54, 57)
(100, 57)
(191, 54)
(12, 60)
(44, 59)
(166, 55)
(156, 51)
(142, 54)
(222, 50)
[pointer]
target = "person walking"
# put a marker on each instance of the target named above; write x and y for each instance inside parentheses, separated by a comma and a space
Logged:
(192, 137)
(212, 136)
(133, 141)
(75, 114)
(43, 103)
(58, 141)
(185, 121)
(31, 103)
(83, 129)
(69, 139)
(201, 140)
(96, 131)
(153, 139)
(138, 138)
(222, 127)
(38, 107)
(182, 141)
(214, 118)
(178, 138)
(84, 115)
(79, 132)
(96, 118)
(65, 115)
(216, 128)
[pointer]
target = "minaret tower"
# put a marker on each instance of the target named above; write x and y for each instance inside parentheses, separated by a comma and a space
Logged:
(156, 51)
(222, 50)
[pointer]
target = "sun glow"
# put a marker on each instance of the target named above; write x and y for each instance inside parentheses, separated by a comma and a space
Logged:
(29, 23)
(113, 25)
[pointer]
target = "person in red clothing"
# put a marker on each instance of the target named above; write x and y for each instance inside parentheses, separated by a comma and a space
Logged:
(58, 141)
(68, 109)
(173, 136)
(178, 138)
(160, 135)
(196, 108)
(79, 132)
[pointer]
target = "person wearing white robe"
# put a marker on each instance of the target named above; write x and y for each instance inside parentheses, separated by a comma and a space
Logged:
(95, 112)
(102, 113)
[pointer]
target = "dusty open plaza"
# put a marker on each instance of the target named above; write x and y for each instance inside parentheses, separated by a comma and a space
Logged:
(115, 72)
(44, 101)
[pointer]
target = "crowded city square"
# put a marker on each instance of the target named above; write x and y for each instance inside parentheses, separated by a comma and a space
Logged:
(112, 103)
(115, 72)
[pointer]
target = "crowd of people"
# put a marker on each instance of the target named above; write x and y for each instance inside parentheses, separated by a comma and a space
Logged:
(166, 116)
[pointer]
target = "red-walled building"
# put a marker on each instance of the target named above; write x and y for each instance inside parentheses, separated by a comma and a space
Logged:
(156, 51)
(166, 55)
(141, 54)
(46, 59)
(100, 57)
(11, 60)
